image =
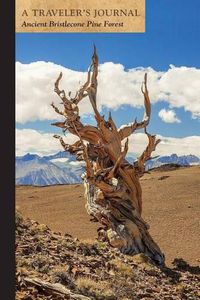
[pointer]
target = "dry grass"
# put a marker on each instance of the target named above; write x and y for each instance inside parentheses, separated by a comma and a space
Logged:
(170, 206)
(100, 289)
(122, 268)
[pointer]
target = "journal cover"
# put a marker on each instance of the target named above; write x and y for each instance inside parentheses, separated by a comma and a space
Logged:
(107, 149)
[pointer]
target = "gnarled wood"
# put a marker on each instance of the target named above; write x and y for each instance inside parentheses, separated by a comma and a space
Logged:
(54, 289)
(112, 186)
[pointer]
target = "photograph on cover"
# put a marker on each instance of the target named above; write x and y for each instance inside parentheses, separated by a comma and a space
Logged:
(108, 161)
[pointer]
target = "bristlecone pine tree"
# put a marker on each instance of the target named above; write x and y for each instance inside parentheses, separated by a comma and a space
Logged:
(112, 187)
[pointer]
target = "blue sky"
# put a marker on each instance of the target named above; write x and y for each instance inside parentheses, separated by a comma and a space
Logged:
(171, 38)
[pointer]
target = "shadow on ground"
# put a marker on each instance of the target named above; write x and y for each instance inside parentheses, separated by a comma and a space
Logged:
(180, 265)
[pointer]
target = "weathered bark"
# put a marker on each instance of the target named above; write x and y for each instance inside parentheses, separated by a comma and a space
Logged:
(113, 190)
(54, 288)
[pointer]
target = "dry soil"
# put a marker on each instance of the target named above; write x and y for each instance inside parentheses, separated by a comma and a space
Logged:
(171, 206)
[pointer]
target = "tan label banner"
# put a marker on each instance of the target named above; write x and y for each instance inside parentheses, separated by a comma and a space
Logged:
(80, 16)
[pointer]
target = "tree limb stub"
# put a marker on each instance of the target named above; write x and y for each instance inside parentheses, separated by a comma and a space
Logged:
(112, 185)
(54, 288)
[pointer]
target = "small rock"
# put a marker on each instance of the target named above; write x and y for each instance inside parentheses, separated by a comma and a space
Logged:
(163, 177)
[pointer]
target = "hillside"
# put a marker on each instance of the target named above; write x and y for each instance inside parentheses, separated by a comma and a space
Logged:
(171, 206)
(52, 266)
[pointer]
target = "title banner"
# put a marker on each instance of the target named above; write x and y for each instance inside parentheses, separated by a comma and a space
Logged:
(80, 16)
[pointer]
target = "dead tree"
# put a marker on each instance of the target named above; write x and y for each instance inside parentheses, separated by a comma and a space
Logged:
(112, 185)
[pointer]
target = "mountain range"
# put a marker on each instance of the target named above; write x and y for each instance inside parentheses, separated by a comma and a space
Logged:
(63, 168)
(184, 160)
(60, 168)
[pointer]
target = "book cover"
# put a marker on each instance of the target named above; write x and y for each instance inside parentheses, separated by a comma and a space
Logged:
(107, 149)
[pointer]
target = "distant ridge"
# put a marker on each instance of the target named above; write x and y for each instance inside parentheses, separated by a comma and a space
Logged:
(184, 160)
(62, 167)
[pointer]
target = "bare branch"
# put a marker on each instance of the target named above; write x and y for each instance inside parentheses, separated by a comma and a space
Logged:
(75, 148)
(60, 93)
(92, 89)
(82, 93)
(60, 124)
(126, 131)
(146, 155)
(57, 110)
(56, 289)
(118, 162)
(147, 103)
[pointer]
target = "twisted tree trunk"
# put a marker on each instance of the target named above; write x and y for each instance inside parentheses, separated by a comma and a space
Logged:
(112, 187)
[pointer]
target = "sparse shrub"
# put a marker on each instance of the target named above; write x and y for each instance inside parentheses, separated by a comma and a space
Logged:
(39, 228)
(65, 243)
(99, 289)
(180, 287)
(143, 261)
(41, 264)
(102, 245)
(122, 268)
(23, 262)
(18, 219)
(60, 275)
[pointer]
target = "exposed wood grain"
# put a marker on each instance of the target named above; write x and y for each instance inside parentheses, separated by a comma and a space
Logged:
(54, 288)
(112, 184)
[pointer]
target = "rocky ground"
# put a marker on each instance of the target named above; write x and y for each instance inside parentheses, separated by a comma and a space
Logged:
(171, 207)
(52, 266)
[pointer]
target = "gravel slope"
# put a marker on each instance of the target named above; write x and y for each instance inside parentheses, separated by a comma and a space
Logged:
(49, 263)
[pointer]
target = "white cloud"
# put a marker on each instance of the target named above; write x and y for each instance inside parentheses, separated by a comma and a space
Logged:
(35, 89)
(77, 163)
(168, 145)
(29, 140)
(35, 142)
(61, 159)
(168, 116)
(179, 86)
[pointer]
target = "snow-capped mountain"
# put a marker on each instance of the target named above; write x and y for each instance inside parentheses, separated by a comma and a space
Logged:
(61, 168)
(184, 160)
